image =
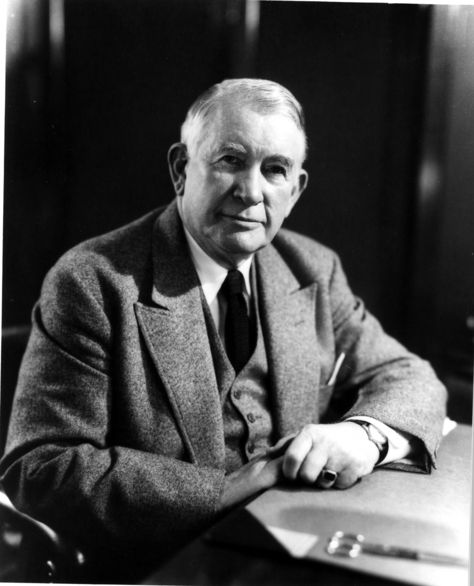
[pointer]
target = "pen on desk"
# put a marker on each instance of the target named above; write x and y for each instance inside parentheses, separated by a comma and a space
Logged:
(412, 554)
(337, 368)
(351, 545)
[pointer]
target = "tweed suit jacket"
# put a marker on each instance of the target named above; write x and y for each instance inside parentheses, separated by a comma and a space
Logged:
(117, 428)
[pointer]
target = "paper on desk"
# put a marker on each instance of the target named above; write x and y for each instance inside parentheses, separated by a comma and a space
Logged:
(448, 426)
(297, 543)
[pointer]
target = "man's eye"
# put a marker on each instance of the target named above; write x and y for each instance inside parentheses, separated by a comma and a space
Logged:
(276, 170)
(230, 160)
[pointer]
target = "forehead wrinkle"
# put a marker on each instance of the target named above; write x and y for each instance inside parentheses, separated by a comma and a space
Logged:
(234, 147)
(234, 139)
(231, 146)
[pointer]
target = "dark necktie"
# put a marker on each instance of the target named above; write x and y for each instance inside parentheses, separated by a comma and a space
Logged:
(237, 323)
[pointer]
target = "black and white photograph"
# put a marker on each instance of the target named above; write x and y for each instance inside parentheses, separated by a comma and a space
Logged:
(237, 293)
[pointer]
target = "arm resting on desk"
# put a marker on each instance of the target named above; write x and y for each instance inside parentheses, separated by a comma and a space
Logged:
(389, 384)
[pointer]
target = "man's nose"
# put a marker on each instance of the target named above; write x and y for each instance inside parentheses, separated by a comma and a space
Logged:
(249, 186)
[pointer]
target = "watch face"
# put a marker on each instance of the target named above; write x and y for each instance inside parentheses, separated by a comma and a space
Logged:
(377, 436)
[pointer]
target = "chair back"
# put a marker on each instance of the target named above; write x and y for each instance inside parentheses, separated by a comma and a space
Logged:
(32, 552)
(14, 340)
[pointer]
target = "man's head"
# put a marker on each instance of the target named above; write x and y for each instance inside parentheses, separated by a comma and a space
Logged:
(238, 168)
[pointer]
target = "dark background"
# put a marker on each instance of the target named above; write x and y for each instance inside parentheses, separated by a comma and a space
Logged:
(96, 91)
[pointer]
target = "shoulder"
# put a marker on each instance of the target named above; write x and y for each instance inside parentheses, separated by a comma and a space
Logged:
(305, 255)
(121, 247)
(122, 256)
(301, 244)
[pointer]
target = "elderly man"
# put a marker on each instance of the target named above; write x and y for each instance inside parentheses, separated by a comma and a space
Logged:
(185, 362)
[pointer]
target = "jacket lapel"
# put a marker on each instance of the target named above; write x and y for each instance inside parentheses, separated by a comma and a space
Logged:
(174, 329)
(288, 320)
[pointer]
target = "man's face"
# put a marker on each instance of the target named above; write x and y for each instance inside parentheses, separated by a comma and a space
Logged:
(241, 182)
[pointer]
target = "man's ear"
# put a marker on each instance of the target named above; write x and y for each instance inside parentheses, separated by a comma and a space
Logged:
(298, 189)
(177, 159)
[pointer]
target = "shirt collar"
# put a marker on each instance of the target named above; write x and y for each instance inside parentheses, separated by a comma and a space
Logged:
(212, 274)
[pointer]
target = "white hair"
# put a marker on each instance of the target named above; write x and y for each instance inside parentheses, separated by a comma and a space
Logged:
(261, 95)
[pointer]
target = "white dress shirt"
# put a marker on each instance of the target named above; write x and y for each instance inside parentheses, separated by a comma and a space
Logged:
(212, 275)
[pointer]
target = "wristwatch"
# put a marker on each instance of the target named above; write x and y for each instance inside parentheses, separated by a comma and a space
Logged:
(376, 437)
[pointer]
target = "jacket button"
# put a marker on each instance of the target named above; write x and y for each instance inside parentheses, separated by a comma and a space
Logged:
(250, 448)
(251, 417)
(237, 395)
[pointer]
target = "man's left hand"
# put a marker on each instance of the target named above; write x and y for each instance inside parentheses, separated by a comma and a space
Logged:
(343, 448)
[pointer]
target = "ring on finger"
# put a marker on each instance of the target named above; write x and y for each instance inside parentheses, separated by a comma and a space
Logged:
(327, 478)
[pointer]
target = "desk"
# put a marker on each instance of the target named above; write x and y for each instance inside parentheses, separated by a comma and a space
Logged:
(435, 506)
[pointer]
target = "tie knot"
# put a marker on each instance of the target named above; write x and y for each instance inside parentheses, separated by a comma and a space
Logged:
(234, 283)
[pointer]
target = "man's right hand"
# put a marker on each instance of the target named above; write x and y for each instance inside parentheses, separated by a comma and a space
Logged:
(259, 474)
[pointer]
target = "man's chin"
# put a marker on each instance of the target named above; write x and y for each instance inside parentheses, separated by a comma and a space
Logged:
(232, 247)
(241, 246)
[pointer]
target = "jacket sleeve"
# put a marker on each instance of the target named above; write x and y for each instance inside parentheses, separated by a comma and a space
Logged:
(393, 385)
(61, 464)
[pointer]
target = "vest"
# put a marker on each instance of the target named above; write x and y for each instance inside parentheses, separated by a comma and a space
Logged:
(246, 409)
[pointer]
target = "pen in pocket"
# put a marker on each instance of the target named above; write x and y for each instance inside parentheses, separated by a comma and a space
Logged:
(337, 368)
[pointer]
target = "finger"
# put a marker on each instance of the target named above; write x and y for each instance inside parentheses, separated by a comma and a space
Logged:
(312, 465)
(272, 472)
(327, 478)
(296, 453)
(280, 447)
(346, 478)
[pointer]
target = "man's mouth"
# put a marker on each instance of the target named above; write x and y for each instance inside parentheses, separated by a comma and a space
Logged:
(238, 218)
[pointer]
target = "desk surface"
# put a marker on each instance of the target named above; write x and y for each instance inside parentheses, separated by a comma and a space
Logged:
(436, 501)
